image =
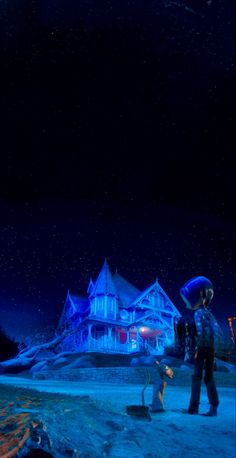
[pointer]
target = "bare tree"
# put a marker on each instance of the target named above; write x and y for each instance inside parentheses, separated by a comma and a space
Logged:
(27, 357)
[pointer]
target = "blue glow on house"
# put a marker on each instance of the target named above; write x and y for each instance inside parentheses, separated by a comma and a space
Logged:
(116, 317)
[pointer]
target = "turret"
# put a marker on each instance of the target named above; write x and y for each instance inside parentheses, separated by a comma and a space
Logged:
(103, 297)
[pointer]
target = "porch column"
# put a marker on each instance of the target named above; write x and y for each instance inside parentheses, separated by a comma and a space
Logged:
(109, 338)
(128, 343)
(89, 335)
(89, 331)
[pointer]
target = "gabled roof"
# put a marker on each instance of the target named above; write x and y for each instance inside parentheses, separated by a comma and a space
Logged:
(157, 286)
(90, 287)
(77, 304)
(126, 292)
(104, 283)
(81, 304)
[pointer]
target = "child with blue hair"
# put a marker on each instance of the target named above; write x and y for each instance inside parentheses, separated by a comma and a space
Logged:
(197, 294)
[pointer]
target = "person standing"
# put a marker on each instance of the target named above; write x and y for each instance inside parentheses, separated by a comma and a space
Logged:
(197, 294)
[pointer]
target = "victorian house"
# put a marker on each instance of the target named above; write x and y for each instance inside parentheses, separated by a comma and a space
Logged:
(116, 317)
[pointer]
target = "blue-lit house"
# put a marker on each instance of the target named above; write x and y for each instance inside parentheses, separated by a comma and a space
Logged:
(116, 317)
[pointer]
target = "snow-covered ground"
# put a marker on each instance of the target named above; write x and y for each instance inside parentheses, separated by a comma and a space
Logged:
(172, 434)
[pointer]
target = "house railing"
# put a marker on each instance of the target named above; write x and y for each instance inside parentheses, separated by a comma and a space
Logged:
(108, 346)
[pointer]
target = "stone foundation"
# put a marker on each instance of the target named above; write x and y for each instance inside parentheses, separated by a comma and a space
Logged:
(129, 375)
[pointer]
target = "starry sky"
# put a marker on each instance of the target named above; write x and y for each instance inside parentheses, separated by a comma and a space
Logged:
(117, 140)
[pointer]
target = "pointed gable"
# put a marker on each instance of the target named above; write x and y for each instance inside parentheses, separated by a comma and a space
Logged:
(104, 283)
(90, 287)
(73, 306)
(127, 293)
(81, 304)
(145, 299)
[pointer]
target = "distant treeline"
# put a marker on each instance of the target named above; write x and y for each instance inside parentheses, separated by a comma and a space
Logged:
(8, 346)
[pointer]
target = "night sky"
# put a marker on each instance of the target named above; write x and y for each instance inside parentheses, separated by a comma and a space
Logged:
(117, 123)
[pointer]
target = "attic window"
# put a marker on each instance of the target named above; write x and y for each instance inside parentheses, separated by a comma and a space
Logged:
(145, 301)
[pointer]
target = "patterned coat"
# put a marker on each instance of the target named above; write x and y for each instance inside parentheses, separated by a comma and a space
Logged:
(209, 333)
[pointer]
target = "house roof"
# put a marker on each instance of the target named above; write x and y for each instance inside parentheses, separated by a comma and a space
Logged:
(81, 303)
(156, 285)
(126, 291)
(104, 283)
